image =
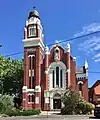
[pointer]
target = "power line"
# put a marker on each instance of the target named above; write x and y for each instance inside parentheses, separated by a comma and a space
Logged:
(71, 39)
(94, 72)
(52, 68)
(13, 54)
(66, 40)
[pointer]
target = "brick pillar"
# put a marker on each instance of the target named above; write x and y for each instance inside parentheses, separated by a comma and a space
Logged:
(25, 98)
(46, 105)
(46, 71)
(68, 66)
(25, 85)
(38, 80)
(85, 89)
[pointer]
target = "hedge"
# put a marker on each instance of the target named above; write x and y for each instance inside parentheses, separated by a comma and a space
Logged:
(18, 112)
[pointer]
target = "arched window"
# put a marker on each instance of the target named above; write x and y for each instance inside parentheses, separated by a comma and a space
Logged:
(61, 78)
(33, 82)
(33, 98)
(29, 62)
(33, 62)
(57, 76)
(80, 87)
(29, 98)
(30, 82)
(53, 77)
(32, 31)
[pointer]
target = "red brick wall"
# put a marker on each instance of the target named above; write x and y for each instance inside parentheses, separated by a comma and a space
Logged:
(85, 89)
(72, 74)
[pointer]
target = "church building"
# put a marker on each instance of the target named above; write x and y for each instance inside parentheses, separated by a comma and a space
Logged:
(48, 72)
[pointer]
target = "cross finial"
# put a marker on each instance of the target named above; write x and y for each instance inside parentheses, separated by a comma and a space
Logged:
(34, 7)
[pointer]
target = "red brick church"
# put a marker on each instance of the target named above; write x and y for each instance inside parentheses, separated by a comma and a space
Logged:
(48, 72)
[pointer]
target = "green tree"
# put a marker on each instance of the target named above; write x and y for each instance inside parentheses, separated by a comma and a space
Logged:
(11, 76)
(70, 100)
(75, 104)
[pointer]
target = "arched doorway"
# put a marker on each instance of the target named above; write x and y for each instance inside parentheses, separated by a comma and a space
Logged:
(57, 101)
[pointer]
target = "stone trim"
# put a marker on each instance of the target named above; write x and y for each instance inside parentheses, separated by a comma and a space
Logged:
(33, 42)
(80, 82)
(37, 88)
(30, 102)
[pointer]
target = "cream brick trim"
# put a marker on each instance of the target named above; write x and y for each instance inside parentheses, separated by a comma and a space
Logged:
(24, 99)
(30, 42)
(80, 75)
(30, 102)
(80, 82)
(31, 55)
(30, 90)
(24, 89)
(68, 70)
(68, 47)
(36, 100)
(46, 71)
(29, 73)
(37, 88)
(33, 72)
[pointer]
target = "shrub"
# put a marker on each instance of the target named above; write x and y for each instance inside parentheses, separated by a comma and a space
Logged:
(6, 103)
(66, 110)
(89, 107)
(69, 102)
(75, 104)
(23, 113)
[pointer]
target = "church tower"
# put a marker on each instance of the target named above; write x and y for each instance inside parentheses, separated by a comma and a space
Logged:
(33, 58)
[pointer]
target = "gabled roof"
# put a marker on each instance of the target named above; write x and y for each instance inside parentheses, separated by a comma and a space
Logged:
(97, 90)
(96, 84)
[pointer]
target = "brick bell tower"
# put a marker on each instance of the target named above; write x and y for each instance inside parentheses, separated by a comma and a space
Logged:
(33, 58)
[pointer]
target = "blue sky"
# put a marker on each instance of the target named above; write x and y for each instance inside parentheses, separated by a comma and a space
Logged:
(61, 19)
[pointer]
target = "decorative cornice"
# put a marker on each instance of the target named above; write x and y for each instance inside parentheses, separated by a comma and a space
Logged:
(30, 42)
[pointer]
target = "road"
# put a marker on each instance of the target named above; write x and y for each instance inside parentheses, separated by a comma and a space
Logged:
(50, 117)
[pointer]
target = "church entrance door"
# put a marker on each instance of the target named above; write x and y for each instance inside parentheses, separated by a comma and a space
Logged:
(57, 101)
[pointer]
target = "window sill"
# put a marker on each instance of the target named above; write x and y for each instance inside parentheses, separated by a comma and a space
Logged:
(30, 102)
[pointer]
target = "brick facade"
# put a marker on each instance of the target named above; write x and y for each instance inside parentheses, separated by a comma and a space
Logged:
(94, 93)
(48, 72)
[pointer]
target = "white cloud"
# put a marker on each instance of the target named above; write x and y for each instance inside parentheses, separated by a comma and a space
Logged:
(96, 56)
(87, 29)
(97, 60)
(92, 44)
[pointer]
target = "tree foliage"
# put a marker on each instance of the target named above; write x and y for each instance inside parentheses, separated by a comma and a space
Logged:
(70, 100)
(6, 103)
(75, 104)
(11, 76)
